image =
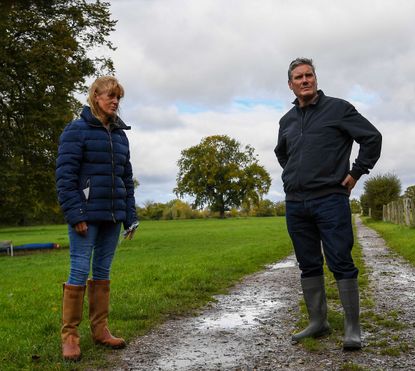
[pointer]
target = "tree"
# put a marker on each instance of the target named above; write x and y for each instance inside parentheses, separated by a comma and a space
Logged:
(380, 190)
(218, 173)
(355, 206)
(280, 208)
(178, 209)
(364, 204)
(44, 60)
(152, 210)
(264, 208)
(410, 192)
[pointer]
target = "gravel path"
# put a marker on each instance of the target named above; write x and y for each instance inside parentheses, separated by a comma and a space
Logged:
(250, 327)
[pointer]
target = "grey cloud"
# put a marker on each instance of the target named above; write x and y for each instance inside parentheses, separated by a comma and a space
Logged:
(208, 52)
(152, 118)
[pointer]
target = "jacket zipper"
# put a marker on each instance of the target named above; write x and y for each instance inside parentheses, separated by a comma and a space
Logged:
(300, 160)
(112, 176)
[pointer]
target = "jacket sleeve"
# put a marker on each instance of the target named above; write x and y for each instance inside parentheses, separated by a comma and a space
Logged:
(68, 164)
(281, 148)
(367, 136)
(129, 186)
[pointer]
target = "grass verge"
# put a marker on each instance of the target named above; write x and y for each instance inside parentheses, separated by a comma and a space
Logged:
(399, 238)
(170, 268)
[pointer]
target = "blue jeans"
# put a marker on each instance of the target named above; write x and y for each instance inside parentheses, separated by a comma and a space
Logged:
(323, 223)
(99, 243)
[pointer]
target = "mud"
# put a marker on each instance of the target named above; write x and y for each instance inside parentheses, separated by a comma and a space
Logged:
(250, 327)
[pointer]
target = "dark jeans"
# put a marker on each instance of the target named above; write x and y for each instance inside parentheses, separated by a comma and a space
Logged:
(99, 244)
(323, 223)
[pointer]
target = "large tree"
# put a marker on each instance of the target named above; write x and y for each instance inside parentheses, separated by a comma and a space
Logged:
(220, 174)
(379, 190)
(44, 60)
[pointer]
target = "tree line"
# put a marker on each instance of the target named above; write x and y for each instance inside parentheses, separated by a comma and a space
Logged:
(379, 190)
(179, 209)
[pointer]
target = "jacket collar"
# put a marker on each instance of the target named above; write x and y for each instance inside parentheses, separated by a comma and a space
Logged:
(320, 95)
(91, 120)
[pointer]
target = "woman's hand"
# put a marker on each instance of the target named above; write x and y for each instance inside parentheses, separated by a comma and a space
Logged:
(81, 228)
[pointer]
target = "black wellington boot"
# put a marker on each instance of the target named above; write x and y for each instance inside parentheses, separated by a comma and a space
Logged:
(349, 297)
(315, 300)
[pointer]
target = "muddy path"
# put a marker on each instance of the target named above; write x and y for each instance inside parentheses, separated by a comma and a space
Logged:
(250, 327)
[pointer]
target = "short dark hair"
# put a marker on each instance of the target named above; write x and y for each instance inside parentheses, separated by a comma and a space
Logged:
(297, 62)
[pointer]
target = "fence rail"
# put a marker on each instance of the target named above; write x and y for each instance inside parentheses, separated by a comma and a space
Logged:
(401, 211)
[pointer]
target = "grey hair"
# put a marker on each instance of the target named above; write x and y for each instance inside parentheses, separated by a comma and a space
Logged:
(297, 62)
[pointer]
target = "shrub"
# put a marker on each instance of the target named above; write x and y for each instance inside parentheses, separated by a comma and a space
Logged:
(380, 190)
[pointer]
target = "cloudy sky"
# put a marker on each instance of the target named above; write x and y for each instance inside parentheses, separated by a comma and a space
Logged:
(194, 68)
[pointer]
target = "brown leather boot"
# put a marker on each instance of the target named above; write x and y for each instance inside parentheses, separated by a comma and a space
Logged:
(99, 300)
(73, 301)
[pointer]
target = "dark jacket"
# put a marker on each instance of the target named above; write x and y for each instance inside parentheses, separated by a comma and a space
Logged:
(93, 172)
(314, 146)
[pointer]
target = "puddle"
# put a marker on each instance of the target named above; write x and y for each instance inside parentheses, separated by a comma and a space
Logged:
(283, 264)
(245, 317)
(230, 320)
(249, 307)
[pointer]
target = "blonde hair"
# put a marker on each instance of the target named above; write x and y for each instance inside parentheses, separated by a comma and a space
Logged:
(103, 84)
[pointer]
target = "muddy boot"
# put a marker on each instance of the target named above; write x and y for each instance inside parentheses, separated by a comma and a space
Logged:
(73, 301)
(315, 300)
(349, 297)
(99, 301)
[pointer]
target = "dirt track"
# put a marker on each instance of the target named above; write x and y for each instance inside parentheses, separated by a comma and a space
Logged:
(249, 329)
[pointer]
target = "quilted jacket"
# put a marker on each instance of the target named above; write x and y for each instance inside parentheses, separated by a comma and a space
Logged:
(93, 172)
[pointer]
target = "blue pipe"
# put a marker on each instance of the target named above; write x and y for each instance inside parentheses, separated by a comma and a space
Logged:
(35, 246)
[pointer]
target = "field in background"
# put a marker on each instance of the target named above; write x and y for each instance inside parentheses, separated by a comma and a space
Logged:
(170, 268)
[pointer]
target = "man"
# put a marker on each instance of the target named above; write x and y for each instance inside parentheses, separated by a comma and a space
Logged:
(314, 145)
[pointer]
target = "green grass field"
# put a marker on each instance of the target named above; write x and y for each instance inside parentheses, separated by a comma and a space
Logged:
(170, 268)
(398, 237)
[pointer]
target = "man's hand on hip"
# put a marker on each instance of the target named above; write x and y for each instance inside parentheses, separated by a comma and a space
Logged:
(349, 182)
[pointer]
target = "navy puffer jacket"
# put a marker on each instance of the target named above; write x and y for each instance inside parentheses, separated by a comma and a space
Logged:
(93, 172)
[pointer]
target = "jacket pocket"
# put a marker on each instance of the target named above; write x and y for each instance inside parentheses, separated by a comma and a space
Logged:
(87, 190)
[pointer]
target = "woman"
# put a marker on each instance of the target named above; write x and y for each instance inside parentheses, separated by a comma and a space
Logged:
(96, 193)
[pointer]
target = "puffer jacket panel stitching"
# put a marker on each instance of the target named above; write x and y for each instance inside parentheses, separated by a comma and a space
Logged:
(88, 151)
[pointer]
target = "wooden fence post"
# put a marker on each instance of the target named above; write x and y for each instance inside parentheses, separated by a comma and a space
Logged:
(406, 209)
(401, 212)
